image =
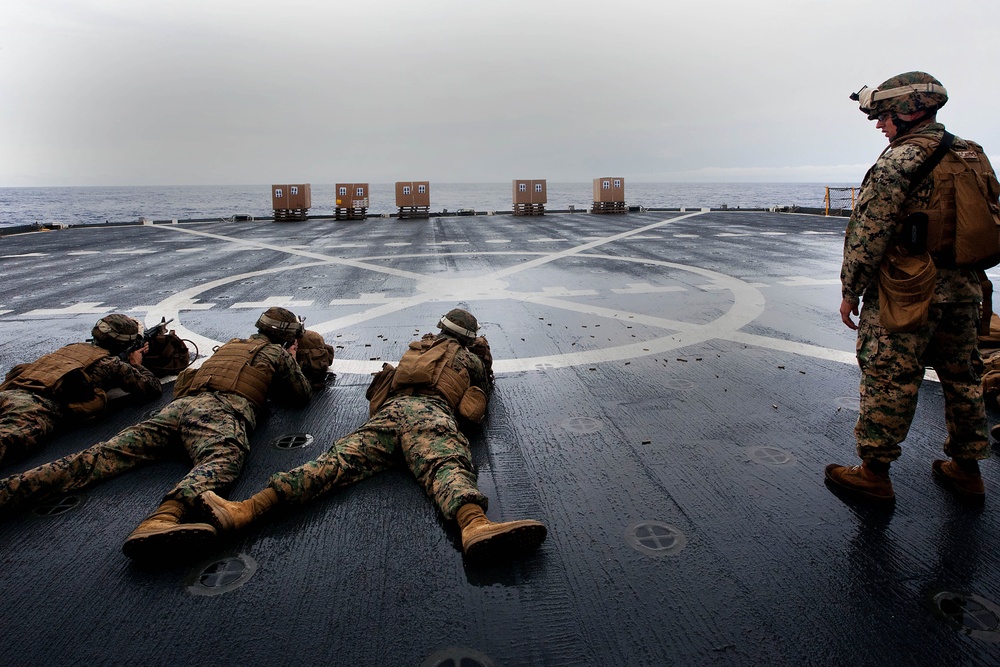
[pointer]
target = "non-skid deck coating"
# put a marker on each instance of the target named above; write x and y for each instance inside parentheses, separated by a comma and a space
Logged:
(669, 389)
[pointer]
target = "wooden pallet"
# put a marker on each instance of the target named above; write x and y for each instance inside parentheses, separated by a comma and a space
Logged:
(609, 207)
(360, 213)
(290, 214)
(414, 212)
(529, 209)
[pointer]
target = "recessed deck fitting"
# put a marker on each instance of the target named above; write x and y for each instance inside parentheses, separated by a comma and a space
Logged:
(679, 383)
(655, 538)
(457, 656)
(581, 425)
(222, 575)
(969, 614)
(57, 506)
(848, 403)
(771, 456)
(292, 441)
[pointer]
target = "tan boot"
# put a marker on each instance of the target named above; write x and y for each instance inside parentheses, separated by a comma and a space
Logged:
(483, 539)
(967, 484)
(228, 516)
(162, 535)
(862, 481)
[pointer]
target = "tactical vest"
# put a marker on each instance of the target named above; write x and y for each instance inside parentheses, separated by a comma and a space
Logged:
(426, 368)
(229, 370)
(62, 376)
(963, 215)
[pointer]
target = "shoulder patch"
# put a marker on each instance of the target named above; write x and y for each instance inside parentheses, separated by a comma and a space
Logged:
(967, 155)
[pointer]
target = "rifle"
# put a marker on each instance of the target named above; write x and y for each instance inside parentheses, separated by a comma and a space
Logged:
(147, 336)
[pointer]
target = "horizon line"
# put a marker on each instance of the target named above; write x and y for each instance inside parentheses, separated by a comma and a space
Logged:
(390, 183)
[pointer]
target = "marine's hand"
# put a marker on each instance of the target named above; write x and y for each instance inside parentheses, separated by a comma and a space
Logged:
(135, 356)
(293, 349)
(481, 348)
(848, 307)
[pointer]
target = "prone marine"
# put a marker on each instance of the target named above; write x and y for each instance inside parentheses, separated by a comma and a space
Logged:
(415, 409)
(71, 384)
(215, 408)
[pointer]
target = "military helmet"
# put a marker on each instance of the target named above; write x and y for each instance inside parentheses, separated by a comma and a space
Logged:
(459, 322)
(906, 93)
(116, 331)
(279, 324)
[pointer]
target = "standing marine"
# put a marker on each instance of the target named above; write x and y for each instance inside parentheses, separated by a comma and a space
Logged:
(414, 411)
(70, 384)
(910, 251)
(215, 408)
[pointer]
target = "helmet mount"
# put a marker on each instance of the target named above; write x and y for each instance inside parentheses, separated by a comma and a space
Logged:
(908, 93)
(280, 324)
(116, 332)
(460, 323)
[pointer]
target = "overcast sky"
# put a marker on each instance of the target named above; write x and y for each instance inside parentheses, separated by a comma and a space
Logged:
(210, 92)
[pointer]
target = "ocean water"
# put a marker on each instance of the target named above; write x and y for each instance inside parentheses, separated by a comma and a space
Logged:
(95, 205)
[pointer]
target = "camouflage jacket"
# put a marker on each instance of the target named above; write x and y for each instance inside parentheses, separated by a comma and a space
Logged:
(876, 220)
(111, 372)
(138, 381)
(289, 386)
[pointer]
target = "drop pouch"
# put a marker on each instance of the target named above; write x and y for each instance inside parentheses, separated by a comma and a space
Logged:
(473, 405)
(378, 391)
(905, 289)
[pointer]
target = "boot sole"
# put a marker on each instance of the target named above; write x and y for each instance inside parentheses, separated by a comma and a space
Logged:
(170, 544)
(507, 545)
(948, 484)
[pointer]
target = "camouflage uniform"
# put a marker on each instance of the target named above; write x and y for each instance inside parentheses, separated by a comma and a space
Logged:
(420, 430)
(27, 420)
(211, 428)
(892, 364)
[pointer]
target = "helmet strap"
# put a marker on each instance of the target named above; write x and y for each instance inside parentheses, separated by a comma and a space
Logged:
(904, 127)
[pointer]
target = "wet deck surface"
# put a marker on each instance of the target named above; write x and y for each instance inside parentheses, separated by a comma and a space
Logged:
(670, 387)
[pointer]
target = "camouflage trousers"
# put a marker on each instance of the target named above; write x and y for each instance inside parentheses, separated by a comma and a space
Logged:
(892, 368)
(419, 431)
(27, 421)
(203, 429)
